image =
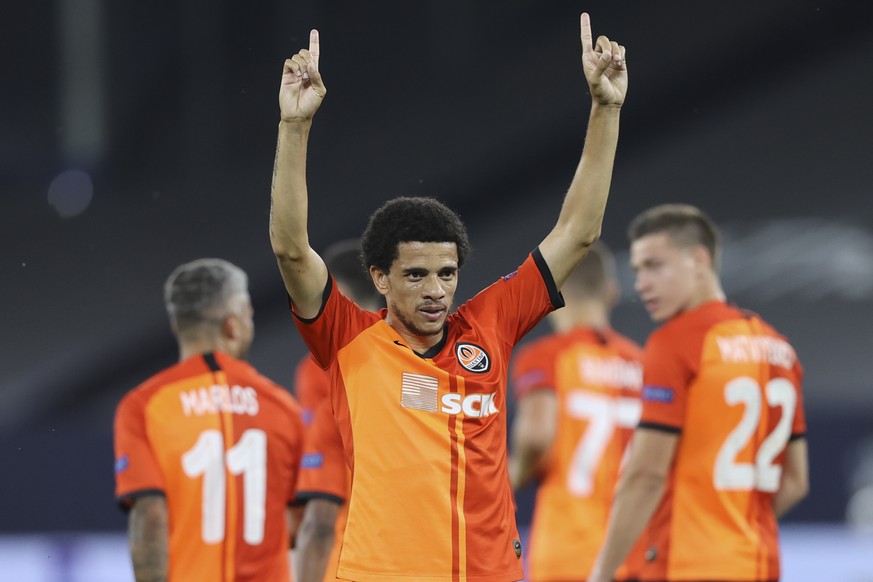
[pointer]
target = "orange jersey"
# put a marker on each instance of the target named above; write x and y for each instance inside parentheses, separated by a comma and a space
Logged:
(596, 378)
(311, 386)
(223, 444)
(323, 470)
(425, 435)
(730, 386)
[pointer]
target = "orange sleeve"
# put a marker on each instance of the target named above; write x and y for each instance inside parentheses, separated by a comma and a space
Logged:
(667, 374)
(533, 368)
(311, 385)
(337, 324)
(299, 439)
(136, 470)
(516, 302)
(798, 428)
(323, 468)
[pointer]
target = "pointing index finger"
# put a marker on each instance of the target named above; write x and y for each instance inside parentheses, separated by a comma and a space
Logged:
(585, 24)
(314, 49)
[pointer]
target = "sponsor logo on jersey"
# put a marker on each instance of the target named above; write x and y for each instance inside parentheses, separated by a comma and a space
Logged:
(658, 394)
(472, 405)
(312, 461)
(121, 463)
(472, 357)
(307, 414)
(509, 276)
(419, 391)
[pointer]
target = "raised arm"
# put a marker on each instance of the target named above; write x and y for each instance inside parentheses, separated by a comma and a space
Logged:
(581, 215)
(300, 95)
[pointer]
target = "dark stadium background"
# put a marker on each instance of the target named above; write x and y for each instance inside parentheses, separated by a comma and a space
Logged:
(136, 136)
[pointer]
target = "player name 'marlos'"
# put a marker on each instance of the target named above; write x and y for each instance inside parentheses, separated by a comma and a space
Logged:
(756, 349)
(616, 372)
(219, 398)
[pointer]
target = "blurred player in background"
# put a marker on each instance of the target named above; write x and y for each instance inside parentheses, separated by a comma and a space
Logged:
(417, 392)
(207, 451)
(323, 484)
(720, 451)
(578, 394)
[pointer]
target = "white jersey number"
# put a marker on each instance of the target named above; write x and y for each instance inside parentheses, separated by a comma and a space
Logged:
(248, 458)
(603, 415)
(763, 474)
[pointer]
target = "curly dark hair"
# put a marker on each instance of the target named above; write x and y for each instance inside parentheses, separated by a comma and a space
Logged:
(411, 219)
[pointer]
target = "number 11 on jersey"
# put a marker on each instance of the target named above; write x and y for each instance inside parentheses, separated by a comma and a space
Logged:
(248, 457)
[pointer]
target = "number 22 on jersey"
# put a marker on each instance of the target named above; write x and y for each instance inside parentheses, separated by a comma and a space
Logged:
(763, 474)
(248, 457)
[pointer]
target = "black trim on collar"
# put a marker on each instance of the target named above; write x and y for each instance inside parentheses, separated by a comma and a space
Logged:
(125, 502)
(797, 436)
(324, 296)
(210, 360)
(435, 349)
(660, 427)
(554, 293)
(305, 496)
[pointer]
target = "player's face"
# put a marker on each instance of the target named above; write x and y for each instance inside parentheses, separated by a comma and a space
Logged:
(666, 275)
(420, 287)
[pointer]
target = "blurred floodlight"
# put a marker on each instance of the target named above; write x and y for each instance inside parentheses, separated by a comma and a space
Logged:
(70, 193)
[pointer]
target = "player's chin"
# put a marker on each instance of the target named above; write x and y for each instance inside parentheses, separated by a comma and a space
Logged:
(431, 326)
(661, 314)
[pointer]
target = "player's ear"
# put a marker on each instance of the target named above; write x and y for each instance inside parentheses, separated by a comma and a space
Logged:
(702, 258)
(380, 279)
(612, 292)
(231, 326)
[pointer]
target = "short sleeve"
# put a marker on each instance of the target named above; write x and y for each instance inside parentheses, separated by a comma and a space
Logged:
(136, 470)
(533, 368)
(298, 443)
(311, 386)
(337, 324)
(516, 302)
(798, 427)
(666, 377)
(323, 471)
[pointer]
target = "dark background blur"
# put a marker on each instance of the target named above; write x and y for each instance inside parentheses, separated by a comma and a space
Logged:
(139, 135)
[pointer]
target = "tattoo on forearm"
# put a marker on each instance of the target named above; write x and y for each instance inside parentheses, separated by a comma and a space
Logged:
(273, 185)
(147, 532)
(275, 165)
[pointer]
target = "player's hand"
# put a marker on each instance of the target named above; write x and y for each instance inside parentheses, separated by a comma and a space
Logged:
(302, 89)
(604, 65)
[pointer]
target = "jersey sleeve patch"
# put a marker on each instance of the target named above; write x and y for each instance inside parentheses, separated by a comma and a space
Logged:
(662, 394)
(312, 461)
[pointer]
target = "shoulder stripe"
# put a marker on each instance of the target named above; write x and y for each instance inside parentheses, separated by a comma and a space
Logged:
(327, 289)
(554, 293)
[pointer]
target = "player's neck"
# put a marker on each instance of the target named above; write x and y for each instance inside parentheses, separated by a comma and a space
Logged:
(420, 344)
(592, 314)
(709, 290)
(190, 348)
